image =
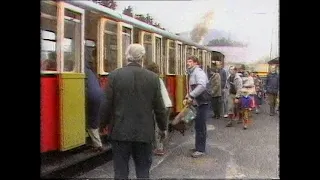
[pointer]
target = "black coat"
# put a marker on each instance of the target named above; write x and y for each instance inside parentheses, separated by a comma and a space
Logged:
(131, 97)
(272, 83)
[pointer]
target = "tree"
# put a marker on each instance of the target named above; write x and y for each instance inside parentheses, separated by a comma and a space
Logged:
(149, 19)
(107, 3)
(140, 17)
(128, 11)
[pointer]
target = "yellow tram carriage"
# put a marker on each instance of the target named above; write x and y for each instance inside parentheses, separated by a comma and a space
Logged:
(68, 30)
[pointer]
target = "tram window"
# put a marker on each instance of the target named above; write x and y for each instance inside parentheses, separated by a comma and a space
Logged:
(147, 42)
(126, 41)
(72, 42)
(136, 35)
(193, 51)
(164, 56)
(183, 60)
(48, 29)
(172, 60)
(158, 54)
(204, 61)
(179, 58)
(189, 51)
(48, 56)
(90, 48)
(110, 53)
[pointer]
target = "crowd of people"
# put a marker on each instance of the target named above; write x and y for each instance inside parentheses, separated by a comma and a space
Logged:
(136, 106)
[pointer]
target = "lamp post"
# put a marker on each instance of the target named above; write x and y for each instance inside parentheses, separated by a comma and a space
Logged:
(272, 29)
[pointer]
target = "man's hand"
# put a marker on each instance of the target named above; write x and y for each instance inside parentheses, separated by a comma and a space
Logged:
(188, 100)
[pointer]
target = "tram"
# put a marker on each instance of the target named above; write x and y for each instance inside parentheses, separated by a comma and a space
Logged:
(71, 29)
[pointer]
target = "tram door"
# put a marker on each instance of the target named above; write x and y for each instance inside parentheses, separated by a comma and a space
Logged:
(71, 79)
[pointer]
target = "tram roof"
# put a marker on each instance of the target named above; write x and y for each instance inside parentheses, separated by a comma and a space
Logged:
(274, 61)
(89, 5)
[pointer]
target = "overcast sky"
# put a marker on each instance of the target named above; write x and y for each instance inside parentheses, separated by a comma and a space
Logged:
(249, 20)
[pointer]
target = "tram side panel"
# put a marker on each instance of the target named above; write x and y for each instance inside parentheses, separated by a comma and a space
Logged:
(49, 140)
(62, 77)
(49, 87)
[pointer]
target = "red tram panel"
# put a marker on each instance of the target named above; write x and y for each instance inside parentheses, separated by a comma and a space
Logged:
(171, 87)
(49, 118)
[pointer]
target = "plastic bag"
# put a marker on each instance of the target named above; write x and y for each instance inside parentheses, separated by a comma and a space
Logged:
(187, 115)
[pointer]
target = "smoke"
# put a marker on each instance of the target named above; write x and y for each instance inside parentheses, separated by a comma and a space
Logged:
(201, 29)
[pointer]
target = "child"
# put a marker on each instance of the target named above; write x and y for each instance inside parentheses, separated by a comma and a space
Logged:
(246, 104)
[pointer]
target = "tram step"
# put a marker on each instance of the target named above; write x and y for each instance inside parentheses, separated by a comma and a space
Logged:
(58, 161)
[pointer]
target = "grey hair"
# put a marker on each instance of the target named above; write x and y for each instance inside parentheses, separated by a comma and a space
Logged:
(135, 52)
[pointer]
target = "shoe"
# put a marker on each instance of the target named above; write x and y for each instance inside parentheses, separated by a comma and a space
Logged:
(229, 124)
(225, 116)
(197, 154)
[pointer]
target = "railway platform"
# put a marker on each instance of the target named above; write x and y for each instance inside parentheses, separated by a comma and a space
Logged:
(231, 153)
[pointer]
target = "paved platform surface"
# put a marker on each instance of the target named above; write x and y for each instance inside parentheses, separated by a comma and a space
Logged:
(231, 153)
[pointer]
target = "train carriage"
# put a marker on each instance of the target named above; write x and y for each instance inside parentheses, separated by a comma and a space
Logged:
(71, 29)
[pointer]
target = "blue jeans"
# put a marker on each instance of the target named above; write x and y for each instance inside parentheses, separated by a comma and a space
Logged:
(201, 127)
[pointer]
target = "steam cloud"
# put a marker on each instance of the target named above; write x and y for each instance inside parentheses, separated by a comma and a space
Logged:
(201, 29)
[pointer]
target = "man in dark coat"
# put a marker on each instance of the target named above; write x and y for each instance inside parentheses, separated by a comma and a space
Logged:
(132, 99)
(93, 100)
(224, 91)
(272, 88)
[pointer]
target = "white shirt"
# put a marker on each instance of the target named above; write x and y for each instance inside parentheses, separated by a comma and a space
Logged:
(165, 96)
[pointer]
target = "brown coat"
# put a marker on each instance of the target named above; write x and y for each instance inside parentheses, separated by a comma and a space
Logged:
(215, 85)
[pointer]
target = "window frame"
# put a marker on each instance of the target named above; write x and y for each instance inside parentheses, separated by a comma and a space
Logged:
(204, 60)
(44, 15)
(184, 59)
(167, 56)
(179, 64)
(154, 36)
(141, 40)
(194, 50)
(121, 25)
(100, 44)
(62, 6)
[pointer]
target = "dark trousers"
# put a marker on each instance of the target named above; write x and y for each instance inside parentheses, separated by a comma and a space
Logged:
(216, 105)
(92, 109)
(201, 127)
(141, 155)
